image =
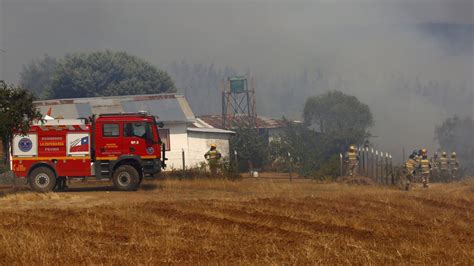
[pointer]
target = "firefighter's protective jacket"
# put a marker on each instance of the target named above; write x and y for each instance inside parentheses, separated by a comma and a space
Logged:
(212, 156)
(425, 166)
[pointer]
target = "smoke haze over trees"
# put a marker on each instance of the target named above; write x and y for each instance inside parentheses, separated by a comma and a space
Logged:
(410, 61)
(103, 73)
(37, 76)
(456, 134)
(341, 116)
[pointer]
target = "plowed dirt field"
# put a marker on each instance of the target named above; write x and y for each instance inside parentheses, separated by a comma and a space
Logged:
(247, 222)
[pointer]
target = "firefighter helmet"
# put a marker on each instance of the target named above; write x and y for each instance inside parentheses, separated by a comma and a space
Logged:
(444, 154)
(213, 145)
(453, 154)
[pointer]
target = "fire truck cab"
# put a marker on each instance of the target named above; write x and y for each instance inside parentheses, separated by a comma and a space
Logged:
(121, 147)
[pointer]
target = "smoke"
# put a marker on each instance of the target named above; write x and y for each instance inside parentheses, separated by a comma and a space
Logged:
(389, 53)
(2, 51)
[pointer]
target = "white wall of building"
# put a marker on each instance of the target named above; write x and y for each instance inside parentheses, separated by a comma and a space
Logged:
(178, 142)
(200, 142)
(194, 144)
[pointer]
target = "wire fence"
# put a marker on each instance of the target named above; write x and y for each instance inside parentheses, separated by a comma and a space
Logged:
(377, 165)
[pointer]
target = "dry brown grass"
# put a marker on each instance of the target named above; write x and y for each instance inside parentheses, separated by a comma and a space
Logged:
(244, 222)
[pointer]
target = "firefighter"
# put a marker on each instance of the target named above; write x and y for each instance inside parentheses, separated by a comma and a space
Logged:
(213, 157)
(410, 166)
(435, 167)
(454, 165)
(425, 168)
(417, 157)
(352, 161)
(444, 166)
(424, 152)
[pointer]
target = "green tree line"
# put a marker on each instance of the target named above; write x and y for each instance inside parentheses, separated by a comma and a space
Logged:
(102, 73)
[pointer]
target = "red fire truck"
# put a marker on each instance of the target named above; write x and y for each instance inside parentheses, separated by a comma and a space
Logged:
(121, 147)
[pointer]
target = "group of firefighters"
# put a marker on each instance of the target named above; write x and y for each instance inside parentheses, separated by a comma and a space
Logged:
(418, 166)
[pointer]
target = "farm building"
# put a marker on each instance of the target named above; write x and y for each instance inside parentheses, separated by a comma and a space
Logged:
(269, 127)
(182, 131)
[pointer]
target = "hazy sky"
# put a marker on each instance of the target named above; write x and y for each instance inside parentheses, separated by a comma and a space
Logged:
(259, 34)
(361, 44)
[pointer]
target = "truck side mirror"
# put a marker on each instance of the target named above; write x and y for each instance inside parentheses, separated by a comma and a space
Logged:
(160, 124)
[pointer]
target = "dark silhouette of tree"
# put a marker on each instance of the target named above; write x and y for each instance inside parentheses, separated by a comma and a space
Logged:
(16, 112)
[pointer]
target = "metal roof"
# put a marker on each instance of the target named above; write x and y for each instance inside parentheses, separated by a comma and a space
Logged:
(210, 130)
(168, 107)
(262, 122)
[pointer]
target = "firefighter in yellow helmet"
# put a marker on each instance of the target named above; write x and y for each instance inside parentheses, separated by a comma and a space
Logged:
(454, 165)
(352, 160)
(444, 166)
(424, 152)
(435, 176)
(410, 165)
(425, 168)
(213, 157)
(416, 160)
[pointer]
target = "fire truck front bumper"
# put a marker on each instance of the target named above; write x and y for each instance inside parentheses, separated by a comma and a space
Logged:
(151, 167)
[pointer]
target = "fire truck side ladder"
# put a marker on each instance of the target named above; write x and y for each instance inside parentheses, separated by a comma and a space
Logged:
(104, 169)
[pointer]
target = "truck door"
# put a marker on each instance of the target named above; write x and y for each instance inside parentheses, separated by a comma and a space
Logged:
(138, 140)
(108, 144)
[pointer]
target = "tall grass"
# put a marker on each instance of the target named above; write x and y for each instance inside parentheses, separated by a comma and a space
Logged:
(211, 221)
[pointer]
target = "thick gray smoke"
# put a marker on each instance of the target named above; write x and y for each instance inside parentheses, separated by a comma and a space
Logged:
(389, 53)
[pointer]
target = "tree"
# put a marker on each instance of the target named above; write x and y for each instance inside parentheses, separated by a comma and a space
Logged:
(37, 76)
(16, 112)
(341, 116)
(250, 147)
(456, 135)
(95, 74)
(309, 150)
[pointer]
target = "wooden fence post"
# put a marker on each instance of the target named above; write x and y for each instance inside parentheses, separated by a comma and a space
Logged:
(184, 163)
(291, 166)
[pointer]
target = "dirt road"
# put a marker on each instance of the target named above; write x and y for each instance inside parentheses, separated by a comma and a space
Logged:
(249, 221)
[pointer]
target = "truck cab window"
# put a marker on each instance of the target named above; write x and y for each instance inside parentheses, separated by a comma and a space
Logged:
(139, 130)
(111, 130)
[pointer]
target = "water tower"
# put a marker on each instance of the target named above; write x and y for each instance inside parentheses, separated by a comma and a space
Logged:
(238, 103)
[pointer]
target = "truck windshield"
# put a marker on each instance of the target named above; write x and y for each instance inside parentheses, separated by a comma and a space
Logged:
(140, 130)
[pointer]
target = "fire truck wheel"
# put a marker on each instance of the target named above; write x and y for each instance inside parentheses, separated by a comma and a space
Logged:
(42, 179)
(126, 178)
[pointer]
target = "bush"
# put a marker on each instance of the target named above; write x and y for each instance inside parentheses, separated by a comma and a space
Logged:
(329, 170)
(3, 168)
(310, 151)
(227, 172)
(250, 147)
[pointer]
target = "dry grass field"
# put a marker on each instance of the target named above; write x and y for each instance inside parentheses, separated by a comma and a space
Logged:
(242, 222)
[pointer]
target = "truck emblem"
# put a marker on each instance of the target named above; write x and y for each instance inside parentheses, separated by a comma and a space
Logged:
(25, 145)
(150, 150)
